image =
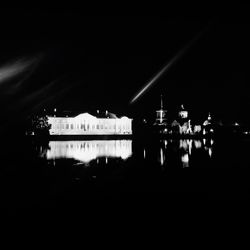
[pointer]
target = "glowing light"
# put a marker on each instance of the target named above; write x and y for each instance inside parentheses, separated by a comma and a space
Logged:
(161, 157)
(189, 146)
(86, 151)
(14, 69)
(183, 114)
(197, 128)
(185, 160)
(165, 68)
(144, 153)
(210, 152)
(197, 144)
(86, 123)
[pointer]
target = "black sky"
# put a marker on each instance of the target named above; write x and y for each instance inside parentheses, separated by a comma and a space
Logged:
(101, 62)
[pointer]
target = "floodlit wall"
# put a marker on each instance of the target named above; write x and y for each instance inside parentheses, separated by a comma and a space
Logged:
(86, 124)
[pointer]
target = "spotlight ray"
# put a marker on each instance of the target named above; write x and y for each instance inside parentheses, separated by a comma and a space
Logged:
(166, 68)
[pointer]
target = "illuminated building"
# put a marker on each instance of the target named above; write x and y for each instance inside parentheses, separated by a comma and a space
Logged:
(161, 115)
(183, 114)
(87, 124)
(208, 125)
(197, 129)
(181, 123)
(185, 123)
(175, 127)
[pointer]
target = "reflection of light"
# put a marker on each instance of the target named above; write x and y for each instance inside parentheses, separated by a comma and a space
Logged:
(204, 141)
(144, 153)
(185, 160)
(162, 157)
(165, 143)
(212, 141)
(189, 146)
(210, 152)
(86, 151)
(197, 144)
(183, 144)
(186, 145)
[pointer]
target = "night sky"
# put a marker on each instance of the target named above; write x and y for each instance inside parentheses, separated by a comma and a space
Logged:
(76, 62)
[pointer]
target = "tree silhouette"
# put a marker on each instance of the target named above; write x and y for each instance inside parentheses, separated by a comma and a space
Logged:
(39, 125)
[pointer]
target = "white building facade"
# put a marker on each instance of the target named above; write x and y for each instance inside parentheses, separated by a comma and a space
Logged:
(87, 124)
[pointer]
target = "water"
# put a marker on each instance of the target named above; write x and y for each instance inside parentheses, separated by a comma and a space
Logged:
(46, 174)
(101, 152)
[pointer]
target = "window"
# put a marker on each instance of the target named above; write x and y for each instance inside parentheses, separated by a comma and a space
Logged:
(97, 126)
(67, 126)
(71, 126)
(82, 126)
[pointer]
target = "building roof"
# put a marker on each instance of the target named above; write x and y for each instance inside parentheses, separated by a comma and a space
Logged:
(92, 115)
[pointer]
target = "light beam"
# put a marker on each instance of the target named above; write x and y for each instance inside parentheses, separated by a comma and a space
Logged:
(165, 68)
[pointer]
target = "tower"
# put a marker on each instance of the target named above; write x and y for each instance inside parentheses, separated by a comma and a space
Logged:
(161, 114)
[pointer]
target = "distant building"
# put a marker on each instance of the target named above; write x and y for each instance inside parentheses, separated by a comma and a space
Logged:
(87, 124)
(183, 114)
(208, 126)
(161, 115)
(180, 123)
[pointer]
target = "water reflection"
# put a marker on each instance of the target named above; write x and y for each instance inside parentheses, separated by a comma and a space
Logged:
(165, 153)
(182, 150)
(86, 151)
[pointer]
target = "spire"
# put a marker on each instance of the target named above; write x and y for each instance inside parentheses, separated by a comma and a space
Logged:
(161, 103)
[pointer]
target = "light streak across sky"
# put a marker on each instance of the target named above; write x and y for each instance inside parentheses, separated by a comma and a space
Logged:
(165, 68)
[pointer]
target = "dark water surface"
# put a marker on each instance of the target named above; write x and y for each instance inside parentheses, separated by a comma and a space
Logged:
(47, 174)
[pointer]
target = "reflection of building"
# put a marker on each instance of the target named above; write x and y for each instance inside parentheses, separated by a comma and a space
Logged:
(86, 151)
(87, 124)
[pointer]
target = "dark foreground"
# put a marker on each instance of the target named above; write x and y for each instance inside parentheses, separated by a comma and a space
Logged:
(72, 174)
